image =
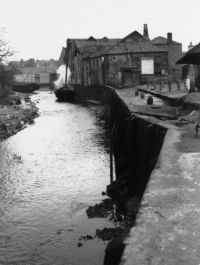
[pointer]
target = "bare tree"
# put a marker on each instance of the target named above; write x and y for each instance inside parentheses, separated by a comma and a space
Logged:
(6, 72)
(5, 50)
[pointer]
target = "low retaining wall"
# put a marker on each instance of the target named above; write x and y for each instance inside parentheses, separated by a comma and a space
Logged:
(167, 230)
(157, 164)
(136, 143)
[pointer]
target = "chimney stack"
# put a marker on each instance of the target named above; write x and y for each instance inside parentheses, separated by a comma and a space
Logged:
(169, 38)
(190, 46)
(145, 32)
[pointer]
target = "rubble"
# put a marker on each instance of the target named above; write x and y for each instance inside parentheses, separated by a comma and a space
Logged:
(16, 110)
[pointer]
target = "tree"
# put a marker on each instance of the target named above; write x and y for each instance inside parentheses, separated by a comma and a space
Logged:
(5, 49)
(6, 73)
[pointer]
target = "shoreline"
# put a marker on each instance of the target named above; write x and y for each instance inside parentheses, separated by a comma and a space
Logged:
(16, 111)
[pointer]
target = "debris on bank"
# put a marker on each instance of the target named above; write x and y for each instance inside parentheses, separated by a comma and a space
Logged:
(191, 100)
(16, 110)
(100, 210)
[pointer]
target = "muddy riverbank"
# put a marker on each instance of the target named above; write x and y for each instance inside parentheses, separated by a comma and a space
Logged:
(16, 110)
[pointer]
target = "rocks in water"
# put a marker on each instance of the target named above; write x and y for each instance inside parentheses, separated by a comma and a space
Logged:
(87, 237)
(79, 244)
(109, 233)
(118, 190)
(100, 210)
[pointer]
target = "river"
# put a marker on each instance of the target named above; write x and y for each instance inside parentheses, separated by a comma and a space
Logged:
(50, 173)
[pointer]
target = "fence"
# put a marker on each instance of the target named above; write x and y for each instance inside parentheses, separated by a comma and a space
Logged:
(166, 84)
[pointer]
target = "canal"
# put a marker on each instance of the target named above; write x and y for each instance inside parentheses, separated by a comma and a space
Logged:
(50, 173)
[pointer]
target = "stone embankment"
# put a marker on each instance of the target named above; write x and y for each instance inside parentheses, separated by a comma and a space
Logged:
(156, 153)
(16, 110)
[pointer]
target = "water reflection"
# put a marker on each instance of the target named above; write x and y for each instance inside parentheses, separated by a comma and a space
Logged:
(50, 172)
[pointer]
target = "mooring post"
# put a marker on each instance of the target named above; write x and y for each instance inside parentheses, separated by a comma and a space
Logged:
(111, 164)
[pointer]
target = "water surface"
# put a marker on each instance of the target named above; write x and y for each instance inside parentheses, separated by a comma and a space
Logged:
(49, 174)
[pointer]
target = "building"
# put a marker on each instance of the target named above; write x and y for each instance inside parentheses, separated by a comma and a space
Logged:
(126, 62)
(129, 62)
(42, 72)
(61, 59)
(79, 49)
(191, 65)
(174, 50)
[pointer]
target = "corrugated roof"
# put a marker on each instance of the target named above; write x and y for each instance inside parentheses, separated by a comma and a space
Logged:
(162, 41)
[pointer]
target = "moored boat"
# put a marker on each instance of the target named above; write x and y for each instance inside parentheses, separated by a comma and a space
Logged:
(65, 93)
(25, 87)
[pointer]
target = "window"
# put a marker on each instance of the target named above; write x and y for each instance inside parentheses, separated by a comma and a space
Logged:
(147, 65)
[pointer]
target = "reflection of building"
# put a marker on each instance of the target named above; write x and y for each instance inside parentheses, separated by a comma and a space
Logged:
(42, 72)
(120, 62)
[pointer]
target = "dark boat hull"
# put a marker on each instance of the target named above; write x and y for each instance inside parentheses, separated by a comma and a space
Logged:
(25, 87)
(66, 93)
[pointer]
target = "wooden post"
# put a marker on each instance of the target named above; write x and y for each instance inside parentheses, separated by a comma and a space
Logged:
(160, 84)
(111, 149)
(111, 163)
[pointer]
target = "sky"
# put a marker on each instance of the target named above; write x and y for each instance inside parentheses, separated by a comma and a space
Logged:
(39, 28)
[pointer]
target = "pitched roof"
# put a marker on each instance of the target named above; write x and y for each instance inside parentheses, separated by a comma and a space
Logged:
(62, 56)
(137, 44)
(192, 56)
(163, 41)
(89, 42)
(135, 47)
(89, 46)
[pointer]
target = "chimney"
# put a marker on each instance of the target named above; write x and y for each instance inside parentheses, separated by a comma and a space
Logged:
(190, 46)
(169, 38)
(145, 32)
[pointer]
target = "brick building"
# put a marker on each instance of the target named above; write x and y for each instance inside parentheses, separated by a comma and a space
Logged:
(121, 62)
(174, 50)
(79, 49)
(131, 61)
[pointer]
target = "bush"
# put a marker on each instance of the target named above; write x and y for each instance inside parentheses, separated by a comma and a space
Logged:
(6, 80)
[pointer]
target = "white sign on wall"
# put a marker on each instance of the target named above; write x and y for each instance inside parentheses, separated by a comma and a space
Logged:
(147, 66)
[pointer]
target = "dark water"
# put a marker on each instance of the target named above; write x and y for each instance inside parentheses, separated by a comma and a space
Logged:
(49, 174)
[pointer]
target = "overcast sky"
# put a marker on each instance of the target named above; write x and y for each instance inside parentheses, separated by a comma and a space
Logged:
(39, 28)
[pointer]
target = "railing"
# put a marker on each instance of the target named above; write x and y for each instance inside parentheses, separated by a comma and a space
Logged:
(165, 84)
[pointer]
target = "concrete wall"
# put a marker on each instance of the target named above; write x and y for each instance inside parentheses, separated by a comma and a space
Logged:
(135, 139)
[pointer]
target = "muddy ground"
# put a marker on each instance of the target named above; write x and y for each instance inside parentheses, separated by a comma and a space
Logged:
(16, 110)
